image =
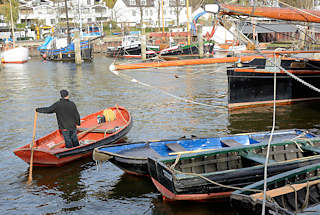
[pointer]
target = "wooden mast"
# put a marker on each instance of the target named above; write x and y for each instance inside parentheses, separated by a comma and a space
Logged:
(163, 37)
(68, 30)
(12, 26)
(188, 24)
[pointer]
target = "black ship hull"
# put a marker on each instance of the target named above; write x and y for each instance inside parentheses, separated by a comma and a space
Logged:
(253, 83)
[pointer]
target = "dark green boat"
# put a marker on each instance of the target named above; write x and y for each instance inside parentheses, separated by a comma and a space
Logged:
(290, 193)
(217, 173)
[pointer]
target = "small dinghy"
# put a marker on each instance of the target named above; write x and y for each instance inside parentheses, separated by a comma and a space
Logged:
(103, 127)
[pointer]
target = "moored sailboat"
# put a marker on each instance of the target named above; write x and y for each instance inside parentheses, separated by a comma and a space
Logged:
(12, 53)
(252, 82)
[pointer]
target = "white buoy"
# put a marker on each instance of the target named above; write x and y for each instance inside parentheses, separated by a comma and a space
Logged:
(112, 67)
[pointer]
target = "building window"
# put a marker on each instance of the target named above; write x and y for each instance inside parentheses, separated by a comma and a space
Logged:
(134, 13)
(88, 2)
(143, 2)
(132, 2)
(53, 21)
(182, 2)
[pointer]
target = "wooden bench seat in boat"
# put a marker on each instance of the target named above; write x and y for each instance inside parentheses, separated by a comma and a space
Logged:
(255, 157)
(230, 143)
(175, 147)
(98, 130)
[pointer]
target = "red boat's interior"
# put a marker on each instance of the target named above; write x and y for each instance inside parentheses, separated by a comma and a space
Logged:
(89, 131)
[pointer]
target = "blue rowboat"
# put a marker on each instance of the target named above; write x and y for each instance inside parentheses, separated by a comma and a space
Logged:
(132, 157)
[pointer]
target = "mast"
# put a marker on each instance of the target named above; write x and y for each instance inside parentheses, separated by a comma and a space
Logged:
(162, 19)
(188, 24)
(80, 20)
(12, 26)
(68, 30)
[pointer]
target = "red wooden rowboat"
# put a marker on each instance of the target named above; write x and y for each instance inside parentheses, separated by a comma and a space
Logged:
(50, 150)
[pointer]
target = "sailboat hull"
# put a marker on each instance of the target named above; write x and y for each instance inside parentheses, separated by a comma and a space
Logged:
(16, 55)
(252, 83)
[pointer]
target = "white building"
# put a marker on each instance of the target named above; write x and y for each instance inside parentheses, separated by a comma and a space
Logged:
(46, 12)
(151, 12)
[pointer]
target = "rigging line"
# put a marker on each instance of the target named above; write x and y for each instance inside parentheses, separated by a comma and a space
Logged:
(269, 143)
(129, 78)
(289, 73)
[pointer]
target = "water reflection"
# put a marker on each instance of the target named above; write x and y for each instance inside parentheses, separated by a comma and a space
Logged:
(128, 186)
(66, 180)
(161, 207)
(300, 115)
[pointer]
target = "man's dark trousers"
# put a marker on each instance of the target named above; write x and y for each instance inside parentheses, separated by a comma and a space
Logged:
(71, 138)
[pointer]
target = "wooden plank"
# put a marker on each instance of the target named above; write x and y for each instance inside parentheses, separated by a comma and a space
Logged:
(230, 143)
(255, 157)
(175, 147)
(284, 190)
(190, 152)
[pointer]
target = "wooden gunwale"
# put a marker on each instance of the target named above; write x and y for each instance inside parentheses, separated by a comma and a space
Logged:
(233, 149)
(287, 175)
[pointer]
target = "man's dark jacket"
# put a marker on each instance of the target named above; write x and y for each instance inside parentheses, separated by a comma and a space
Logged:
(66, 112)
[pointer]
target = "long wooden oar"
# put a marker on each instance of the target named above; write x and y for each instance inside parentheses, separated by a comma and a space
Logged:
(32, 144)
(191, 152)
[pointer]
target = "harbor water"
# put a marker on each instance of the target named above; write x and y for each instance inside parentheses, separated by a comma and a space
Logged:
(164, 103)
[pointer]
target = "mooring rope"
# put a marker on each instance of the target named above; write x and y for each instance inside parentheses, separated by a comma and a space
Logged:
(172, 167)
(306, 199)
(269, 143)
(131, 79)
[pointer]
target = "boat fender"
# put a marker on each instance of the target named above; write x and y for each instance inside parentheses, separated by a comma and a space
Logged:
(109, 115)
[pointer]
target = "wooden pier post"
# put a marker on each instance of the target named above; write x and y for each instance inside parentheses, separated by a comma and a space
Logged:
(143, 47)
(77, 48)
(200, 41)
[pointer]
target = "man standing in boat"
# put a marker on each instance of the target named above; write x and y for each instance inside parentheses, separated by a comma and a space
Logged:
(68, 118)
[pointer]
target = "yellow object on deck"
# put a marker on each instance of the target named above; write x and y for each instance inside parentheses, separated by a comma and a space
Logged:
(109, 115)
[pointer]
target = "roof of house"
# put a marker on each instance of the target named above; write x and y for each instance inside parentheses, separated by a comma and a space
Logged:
(269, 28)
